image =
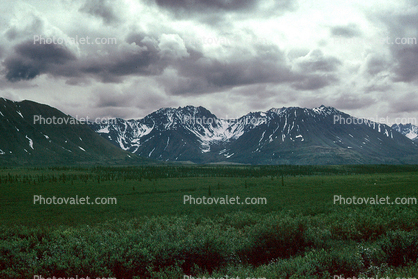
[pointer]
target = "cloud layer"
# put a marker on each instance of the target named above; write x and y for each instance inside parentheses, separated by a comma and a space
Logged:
(229, 56)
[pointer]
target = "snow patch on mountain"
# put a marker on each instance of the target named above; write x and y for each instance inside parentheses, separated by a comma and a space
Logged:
(104, 130)
(412, 135)
(408, 130)
(30, 142)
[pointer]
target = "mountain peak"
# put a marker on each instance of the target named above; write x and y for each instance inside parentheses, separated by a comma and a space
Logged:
(288, 135)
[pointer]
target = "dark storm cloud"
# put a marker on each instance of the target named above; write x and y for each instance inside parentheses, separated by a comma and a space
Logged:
(11, 34)
(378, 87)
(192, 72)
(347, 31)
(47, 54)
(406, 68)
(376, 64)
(405, 55)
(314, 82)
(102, 9)
(110, 98)
(203, 75)
(117, 65)
(317, 62)
(145, 60)
(187, 6)
(406, 103)
(18, 69)
(126, 102)
(199, 74)
(30, 60)
(315, 71)
(214, 12)
(350, 101)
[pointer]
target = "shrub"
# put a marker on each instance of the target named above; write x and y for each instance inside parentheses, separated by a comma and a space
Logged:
(400, 247)
(275, 237)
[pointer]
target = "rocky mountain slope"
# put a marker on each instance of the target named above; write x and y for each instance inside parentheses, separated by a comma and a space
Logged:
(26, 138)
(292, 135)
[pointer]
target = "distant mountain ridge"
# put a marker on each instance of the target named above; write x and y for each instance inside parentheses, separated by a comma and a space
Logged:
(293, 135)
(408, 130)
(23, 141)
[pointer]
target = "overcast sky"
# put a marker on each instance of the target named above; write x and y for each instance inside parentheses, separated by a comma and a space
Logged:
(230, 56)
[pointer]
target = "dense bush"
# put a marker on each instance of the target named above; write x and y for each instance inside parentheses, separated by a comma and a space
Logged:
(280, 244)
(275, 237)
(401, 247)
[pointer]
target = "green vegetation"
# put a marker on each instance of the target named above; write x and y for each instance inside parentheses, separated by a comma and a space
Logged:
(151, 233)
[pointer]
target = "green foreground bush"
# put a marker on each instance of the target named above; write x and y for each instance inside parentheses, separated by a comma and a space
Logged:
(349, 242)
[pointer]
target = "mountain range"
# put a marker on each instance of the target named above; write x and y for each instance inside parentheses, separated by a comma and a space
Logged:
(24, 140)
(292, 135)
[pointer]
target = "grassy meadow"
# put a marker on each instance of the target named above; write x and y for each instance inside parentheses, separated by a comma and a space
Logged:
(151, 233)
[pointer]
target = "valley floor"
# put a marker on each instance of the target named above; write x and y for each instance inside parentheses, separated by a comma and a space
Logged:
(295, 224)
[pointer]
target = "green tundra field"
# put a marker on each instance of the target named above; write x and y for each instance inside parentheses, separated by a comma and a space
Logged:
(296, 224)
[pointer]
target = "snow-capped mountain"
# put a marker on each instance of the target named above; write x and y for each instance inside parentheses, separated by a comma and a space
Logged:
(32, 133)
(291, 135)
(408, 130)
(172, 134)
